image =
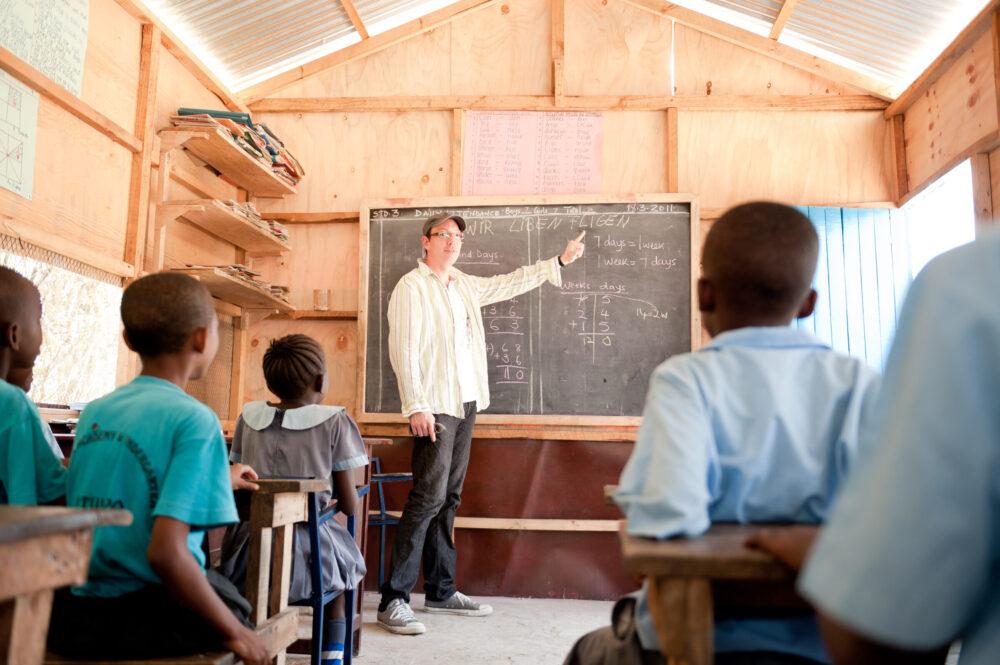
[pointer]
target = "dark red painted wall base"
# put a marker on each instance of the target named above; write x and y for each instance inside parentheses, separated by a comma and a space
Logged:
(525, 478)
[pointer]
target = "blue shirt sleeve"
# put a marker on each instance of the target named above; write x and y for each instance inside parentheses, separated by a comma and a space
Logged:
(664, 487)
(29, 471)
(910, 547)
(196, 486)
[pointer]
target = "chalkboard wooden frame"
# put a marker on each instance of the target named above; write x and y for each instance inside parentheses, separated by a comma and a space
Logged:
(487, 418)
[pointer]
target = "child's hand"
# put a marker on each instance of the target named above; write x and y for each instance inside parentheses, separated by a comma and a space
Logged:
(240, 476)
(789, 544)
(249, 647)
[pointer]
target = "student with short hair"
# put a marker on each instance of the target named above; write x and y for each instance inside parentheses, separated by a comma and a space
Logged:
(910, 559)
(152, 449)
(760, 425)
(296, 436)
(29, 471)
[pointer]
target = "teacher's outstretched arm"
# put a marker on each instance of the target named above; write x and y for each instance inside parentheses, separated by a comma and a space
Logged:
(574, 249)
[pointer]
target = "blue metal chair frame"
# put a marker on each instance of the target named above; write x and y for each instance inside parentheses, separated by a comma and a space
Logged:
(383, 519)
(319, 598)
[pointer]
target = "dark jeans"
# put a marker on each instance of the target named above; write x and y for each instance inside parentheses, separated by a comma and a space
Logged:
(425, 526)
(147, 623)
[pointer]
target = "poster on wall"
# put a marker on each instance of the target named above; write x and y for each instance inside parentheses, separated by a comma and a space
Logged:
(18, 123)
(50, 35)
(532, 152)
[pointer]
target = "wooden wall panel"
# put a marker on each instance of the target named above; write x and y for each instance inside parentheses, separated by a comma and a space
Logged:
(503, 49)
(703, 62)
(323, 256)
(111, 69)
(821, 158)
(615, 49)
(635, 152)
(418, 66)
(339, 340)
(955, 118)
(349, 157)
(994, 167)
(178, 87)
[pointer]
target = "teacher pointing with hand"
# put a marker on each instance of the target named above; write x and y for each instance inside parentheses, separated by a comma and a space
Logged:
(437, 349)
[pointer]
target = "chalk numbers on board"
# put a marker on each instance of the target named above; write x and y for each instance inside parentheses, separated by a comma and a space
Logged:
(504, 325)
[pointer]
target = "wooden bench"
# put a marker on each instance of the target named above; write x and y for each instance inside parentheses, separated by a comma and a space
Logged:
(42, 548)
(690, 579)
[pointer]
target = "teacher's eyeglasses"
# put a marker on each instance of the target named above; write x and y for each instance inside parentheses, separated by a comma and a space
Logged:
(445, 235)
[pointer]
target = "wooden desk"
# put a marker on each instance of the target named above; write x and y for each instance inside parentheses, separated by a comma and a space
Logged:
(42, 548)
(689, 578)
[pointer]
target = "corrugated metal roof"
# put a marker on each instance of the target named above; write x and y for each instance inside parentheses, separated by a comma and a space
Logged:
(246, 41)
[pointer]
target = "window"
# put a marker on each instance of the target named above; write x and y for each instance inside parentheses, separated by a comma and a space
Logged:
(80, 324)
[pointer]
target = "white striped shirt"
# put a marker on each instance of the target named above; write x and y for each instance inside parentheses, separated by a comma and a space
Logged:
(422, 332)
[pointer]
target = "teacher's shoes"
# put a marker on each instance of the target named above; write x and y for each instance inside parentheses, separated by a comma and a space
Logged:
(459, 603)
(398, 618)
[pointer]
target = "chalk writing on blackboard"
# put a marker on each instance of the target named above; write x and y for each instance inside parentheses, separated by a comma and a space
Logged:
(586, 348)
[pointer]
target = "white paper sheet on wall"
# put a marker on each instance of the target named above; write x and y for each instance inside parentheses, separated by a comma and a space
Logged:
(532, 152)
(50, 35)
(18, 124)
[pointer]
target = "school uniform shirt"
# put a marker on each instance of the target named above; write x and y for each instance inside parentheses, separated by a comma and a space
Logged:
(152, 449)
(422, 348)
(313, 441)
(760, 425)
(911, 555)
(29, 471)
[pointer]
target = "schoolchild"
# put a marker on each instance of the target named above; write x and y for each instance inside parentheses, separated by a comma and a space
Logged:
(297, 436)
(151, 448)
(30, 473)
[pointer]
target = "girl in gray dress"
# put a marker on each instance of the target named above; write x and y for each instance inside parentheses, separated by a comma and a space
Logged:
(299, 437)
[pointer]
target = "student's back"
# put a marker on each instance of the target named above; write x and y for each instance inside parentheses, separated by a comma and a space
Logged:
(760, 425)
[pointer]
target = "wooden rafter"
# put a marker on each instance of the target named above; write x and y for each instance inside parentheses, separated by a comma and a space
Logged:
(769, 47)
(364, 48)
(352, 13)
(184, 55)
(572, 103)
(782, 18)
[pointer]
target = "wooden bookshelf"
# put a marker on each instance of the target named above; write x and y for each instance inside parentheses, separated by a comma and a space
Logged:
(215, 147)
(217, 218)
(313, 314)
(231, 289)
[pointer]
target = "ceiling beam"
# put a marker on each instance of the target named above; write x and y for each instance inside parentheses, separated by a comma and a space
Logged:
(138, 10)
(786, 54)
(571, 103)
(948, 57)
(782, 18)
(352, 13)
(364, 48)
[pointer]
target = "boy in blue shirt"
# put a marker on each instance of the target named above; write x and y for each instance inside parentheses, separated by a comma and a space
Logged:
(154, 450)
(29, 471)
(760, 425)
(910, 559)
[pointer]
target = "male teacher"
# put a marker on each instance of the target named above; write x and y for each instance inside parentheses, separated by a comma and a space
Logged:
(438, 350)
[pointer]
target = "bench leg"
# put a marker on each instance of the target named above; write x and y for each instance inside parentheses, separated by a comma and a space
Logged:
(24, 623)
(683, 615)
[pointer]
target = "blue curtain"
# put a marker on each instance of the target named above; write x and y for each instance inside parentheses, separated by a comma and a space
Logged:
(862, 274)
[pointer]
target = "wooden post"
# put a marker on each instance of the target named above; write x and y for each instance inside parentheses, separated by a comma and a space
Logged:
(982, 191)
(558, 50)
(138, 204)
(673, 177)
(900, 179)
(457, 150)
(237, 389)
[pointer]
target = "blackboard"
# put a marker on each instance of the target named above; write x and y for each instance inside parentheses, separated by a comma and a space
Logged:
(582, 353)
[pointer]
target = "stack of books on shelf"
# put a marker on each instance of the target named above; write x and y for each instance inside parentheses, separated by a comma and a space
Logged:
(280, 292)
(238, 271)
(256, 139)
(249, 212)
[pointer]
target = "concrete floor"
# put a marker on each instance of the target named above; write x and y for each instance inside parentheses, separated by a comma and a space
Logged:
(520, 630)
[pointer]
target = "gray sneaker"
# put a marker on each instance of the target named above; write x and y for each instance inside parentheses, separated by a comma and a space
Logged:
(398, 618)
(459, 603)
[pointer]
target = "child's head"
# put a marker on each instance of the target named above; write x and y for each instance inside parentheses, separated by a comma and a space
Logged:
(169, 314)
(757, 267)
(20, 322)
(295, 369)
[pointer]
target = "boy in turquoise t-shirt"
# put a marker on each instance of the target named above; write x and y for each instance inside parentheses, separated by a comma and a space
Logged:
(29, 471)
(152, 449)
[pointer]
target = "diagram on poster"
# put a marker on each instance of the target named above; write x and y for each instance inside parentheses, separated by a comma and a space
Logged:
(18, 123)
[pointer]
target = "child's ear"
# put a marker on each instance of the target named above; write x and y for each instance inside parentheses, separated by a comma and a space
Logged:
(11, 336)
(706, 295)
(199, 339)
(808, 305)
(320, 383)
